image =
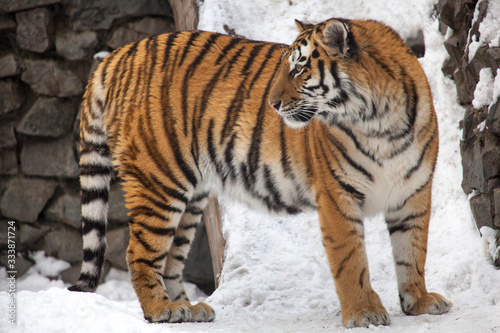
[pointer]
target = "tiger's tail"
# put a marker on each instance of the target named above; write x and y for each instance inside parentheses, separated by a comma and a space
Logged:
(95, 176)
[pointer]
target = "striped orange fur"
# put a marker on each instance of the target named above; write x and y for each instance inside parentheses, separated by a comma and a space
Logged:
(186, 114)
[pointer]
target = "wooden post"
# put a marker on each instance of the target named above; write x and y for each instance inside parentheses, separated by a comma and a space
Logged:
(185, 14)
(186, 18)
(217, 244)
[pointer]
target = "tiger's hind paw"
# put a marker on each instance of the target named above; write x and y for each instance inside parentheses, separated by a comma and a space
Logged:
(174, 312)
(202, 312)
(430, 303)
(371, 315)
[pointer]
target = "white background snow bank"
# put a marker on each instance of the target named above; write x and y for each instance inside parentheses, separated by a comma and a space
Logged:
(276, 277)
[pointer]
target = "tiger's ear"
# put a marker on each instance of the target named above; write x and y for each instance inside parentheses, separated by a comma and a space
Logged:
(334, 38)
(301, 26)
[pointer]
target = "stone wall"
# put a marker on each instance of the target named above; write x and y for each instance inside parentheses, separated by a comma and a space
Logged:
(46, 57)
(480, 145)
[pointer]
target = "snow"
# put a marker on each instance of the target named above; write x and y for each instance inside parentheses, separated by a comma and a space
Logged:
(276, 277)
(489, 28)
(101, 55)
(483, 95)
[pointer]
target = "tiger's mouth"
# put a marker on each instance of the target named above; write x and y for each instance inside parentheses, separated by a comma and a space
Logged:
(296, 118)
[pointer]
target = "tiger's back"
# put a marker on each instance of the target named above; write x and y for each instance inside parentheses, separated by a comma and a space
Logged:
(186, 114)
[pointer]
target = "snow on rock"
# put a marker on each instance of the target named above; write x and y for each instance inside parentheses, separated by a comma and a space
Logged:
(489, 28)
(483, 95)
(276, 277)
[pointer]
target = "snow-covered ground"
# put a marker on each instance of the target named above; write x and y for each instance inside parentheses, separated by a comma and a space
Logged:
(276, 277)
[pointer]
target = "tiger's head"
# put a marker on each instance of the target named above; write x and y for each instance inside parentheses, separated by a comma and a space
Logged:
(314, 78)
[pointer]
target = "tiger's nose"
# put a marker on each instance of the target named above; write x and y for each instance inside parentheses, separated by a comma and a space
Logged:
(275, 105)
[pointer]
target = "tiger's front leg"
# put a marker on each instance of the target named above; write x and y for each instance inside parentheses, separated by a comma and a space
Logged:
(343, 238)
(408, 228)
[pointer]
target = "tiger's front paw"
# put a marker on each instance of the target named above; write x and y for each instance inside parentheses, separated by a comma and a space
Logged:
(376, 315)
(430, 303)
(173, 312)
(202, 312)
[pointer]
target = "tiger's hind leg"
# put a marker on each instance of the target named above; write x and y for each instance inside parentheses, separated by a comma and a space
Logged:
(408, 228)
(155, 212)
(184, 236)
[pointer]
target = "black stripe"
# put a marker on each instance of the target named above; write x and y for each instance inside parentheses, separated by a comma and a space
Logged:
(188, 44)
(193, 210)
(127, 110)
(160, 205)
(402, 263)
(321, 68)
(107, 61)
(135, 172)
(349, 188)
(342, 213)
(402, 225)
(231, 62)
(212, 149)
(333, 140)
(335, 74)
(417, 191)
(115, 95)
(180, 258)
(411, 101)
(174, 193)
(189, 226)
(89, 225)
(181, 240)
(402, 148)
(268, 56)
(211, 40)
(94, 194)
(343, 263)
(402, 228)
(176, 147)
(228, 156)
(382, 65)
(285, 158)
(179, 296)
(254, 152)
(89, 147)
(91, 255)
(92, 281)
(138, 236)
(251, 58)
(169, 231)
(146, 262)
(199, 197)
(168, 47)
(205, 98)
(91, 128)
(361, 277)
(152, 262)
(354, 139)
(160, 161)
(413, 169)
(95, 169)
(225, 51)
(147, 212)
(232, 112)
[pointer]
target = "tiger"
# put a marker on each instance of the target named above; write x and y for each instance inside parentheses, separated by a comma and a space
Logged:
(340, 122)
